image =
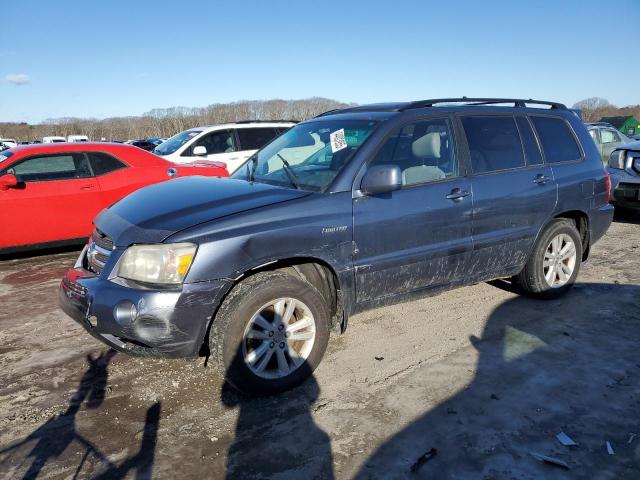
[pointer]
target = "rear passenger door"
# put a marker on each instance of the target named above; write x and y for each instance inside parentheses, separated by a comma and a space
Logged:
(417, 237)
(250, 140)
(514, 192)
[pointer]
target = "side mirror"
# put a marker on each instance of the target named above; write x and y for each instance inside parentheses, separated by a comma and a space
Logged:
(381, 179)
(200, 151)
(8, 181)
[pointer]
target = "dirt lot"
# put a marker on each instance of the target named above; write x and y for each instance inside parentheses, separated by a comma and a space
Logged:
(480, 374)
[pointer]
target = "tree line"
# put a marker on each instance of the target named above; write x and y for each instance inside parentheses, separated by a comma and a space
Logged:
(594, 108)
(166, 122)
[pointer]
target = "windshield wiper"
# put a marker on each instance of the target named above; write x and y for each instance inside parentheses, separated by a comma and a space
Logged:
(252, 168)
(289, 171)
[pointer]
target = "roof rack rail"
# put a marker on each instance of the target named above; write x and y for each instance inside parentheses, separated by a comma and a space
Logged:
(329, 112)
(266, 121)
(517, 102)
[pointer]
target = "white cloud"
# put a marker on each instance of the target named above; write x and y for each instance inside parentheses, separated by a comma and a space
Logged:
(18, 78)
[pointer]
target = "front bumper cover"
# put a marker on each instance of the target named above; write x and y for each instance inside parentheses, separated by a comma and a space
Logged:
(166, 323)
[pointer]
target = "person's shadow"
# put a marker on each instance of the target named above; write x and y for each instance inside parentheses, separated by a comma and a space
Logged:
(276, 437)
(60, 431)
(53, 438)
(543, 367)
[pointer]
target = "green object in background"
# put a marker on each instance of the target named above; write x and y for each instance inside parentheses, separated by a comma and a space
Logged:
(626, 124)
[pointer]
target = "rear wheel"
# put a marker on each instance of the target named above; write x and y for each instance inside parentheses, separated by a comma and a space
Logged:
(270, 333)
(554, 263)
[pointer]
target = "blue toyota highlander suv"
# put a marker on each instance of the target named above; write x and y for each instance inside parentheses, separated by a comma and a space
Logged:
(349, 210)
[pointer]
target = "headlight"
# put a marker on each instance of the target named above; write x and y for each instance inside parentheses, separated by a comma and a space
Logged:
(162, 263)
(617, 159)
(636, 164)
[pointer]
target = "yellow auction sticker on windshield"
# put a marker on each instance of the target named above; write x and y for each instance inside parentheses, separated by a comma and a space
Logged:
(338, 141)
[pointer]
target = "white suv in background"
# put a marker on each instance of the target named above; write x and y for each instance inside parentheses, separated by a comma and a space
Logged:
(231, 143)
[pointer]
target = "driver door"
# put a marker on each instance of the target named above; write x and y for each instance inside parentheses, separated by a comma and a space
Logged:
(56, 199)
(418, 237)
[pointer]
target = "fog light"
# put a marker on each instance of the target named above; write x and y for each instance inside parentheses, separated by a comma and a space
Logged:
(125, 313)
(93, 321)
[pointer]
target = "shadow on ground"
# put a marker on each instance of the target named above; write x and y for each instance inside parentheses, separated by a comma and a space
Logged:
(541, 370)
(626, 215)
(276, 437)
(50, 440)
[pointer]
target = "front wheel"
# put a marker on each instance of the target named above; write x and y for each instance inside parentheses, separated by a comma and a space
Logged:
(554, 264)
(270, 333)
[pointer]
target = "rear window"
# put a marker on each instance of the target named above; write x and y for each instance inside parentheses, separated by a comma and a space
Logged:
(558, 142)
(494, 143)
(255, 138)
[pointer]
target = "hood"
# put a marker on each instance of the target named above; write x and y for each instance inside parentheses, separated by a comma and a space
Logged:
(151, 214)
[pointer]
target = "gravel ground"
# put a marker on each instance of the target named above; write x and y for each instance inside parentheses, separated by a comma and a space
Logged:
(479, 374)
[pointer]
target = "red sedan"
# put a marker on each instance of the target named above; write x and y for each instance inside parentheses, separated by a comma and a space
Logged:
(49, 194)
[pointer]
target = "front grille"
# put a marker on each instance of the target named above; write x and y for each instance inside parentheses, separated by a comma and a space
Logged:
(100, 248)
(102, 240)
(74, 287)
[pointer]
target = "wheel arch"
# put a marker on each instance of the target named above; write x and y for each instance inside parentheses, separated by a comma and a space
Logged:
(581, 222)
(316, 271)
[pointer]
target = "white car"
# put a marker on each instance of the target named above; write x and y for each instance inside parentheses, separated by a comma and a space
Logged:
(53, 139)
(231, 143)
(77, 138)
(8, 142)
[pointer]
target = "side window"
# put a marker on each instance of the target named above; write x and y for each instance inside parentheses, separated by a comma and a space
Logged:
(609, 136)
(494, 143)
(558, 142)
(103, 163)
(255, 138)
(594, 134)
(424, 151)
(531, 149)
(58, 167)
(221, 141)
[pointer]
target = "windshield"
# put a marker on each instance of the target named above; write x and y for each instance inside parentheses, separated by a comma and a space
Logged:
(308, 156)
(175, 142)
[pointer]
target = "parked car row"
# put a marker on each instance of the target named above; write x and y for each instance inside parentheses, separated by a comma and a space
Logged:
(344, 212)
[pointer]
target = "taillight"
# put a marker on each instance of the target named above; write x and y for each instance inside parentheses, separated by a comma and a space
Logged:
(607, 184)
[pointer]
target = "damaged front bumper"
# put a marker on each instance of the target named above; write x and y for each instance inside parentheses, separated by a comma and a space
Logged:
(162, 323)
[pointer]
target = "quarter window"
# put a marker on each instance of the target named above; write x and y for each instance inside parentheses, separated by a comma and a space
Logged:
(531, 149)
(424, 152)
(58, 167)
(255, 138)
(494, 143)
(103, 163)
(558, 143)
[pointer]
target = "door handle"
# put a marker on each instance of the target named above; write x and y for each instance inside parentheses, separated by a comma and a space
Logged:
(86, 187)
(457, 194)
(541, 179)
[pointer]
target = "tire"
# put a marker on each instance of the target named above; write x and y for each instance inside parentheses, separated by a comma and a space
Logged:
(230, 345)
(532, 277)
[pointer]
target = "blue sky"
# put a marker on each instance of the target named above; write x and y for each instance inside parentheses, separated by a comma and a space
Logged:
(100, 59)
